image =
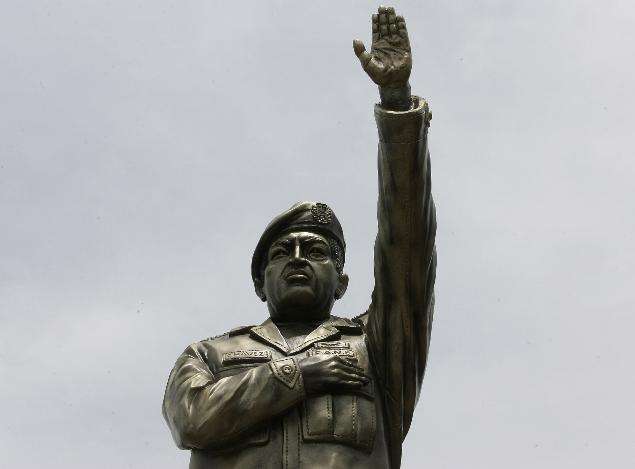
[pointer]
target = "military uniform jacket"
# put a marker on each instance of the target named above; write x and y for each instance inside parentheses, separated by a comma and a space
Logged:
(238, 400)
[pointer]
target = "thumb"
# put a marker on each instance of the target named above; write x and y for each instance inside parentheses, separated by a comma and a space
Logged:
(360, 52)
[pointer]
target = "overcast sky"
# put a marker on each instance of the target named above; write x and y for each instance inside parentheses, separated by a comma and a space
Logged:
(146, 144)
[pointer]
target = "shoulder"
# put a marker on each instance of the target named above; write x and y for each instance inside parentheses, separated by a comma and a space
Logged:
(229, 336)
(348, 326)
(226, 335)
(212, 349)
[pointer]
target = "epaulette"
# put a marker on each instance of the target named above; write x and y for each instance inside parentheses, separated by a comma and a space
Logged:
(347, 325)
(214, 337)
(239, 330)
(361, 319)
(235, 331)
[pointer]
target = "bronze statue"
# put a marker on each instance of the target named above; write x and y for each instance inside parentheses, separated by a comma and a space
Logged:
(306, 389)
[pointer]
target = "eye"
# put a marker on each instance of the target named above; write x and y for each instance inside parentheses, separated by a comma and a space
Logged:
(318, 253)
(277, 253)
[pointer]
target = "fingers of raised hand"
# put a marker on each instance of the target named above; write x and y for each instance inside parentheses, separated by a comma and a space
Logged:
(401, 27)
(360, 52)
(369, 64)
(387, 22)
(392, 22)
(375, 23)
(382, 13)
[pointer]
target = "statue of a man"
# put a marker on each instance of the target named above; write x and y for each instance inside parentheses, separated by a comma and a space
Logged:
(306, 389)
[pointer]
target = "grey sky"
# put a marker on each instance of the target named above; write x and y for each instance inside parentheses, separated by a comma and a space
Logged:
(138, 143)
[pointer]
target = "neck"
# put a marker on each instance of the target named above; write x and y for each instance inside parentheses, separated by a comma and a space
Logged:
(298, 315)
(297, 324)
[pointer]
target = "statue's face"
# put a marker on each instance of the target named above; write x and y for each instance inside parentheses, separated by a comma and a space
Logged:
(301, 281)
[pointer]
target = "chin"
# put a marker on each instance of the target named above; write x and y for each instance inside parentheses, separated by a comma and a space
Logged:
(299, 296)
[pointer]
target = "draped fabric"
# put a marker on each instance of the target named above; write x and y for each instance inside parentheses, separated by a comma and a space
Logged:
(399, 319)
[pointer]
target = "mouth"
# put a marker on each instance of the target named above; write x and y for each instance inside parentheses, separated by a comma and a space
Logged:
(297, 276)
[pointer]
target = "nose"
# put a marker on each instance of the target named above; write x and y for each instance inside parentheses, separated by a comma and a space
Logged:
(296, 253)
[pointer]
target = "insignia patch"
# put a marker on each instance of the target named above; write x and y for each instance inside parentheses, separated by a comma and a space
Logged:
(333, 344)
(286, 371)
(246, 356)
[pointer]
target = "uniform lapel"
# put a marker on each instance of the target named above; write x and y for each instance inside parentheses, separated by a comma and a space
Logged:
(270, 333)
(328, 330)
(323, 332)
(331, 329)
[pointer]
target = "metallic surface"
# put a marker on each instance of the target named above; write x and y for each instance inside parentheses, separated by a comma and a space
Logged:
(306, 388)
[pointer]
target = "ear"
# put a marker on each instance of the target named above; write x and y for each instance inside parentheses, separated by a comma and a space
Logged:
(259, 290)
(342, 285)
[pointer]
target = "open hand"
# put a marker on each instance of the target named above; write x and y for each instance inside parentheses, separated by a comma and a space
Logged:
(390, 60)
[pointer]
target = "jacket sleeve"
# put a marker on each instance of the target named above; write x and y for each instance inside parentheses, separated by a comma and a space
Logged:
(399, 319)
(205, 412)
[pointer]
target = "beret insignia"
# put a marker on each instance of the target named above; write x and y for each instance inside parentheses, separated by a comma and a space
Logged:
(322, 213)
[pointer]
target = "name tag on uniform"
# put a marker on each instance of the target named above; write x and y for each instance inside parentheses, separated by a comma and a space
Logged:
(341, 352)
(341, 348)
(246, 356)
(336, 344)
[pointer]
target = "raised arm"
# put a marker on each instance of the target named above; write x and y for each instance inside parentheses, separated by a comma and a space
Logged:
(399, 319)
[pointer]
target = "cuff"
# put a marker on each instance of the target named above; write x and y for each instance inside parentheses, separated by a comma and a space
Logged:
(403, 126)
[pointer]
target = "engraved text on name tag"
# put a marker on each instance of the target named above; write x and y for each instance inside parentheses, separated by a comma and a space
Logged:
(333, 345)
(335, 351)
(246, 356)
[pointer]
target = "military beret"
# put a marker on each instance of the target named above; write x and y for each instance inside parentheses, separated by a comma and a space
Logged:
(315, 217)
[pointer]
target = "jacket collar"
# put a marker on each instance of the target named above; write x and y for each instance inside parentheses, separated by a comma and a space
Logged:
(269, 332)
(330, 329)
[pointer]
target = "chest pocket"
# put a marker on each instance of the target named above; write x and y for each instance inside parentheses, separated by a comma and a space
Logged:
(348, 419)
